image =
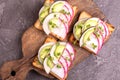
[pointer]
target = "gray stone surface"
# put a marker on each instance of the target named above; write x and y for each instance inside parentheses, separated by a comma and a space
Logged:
(17, 15)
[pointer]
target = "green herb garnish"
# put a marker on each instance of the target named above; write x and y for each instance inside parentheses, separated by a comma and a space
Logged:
(88, 39)
(84, 44)
(94, 46)
(67, 58)
(64, 12)
(75, 42)
(58, 66)
(88, 26)
(52, 24)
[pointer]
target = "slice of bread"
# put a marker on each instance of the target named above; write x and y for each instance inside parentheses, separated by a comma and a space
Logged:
(87, 15)
(38, 65)
(84, 15)
(38, 25)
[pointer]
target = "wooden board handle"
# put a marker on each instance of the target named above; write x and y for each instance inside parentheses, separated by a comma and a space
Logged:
(18, 69)
(15, 70)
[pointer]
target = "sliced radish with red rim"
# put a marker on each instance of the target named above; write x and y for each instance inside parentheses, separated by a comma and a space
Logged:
(67, 57)
(59, 70)
(92, 44)
(71, 50)
(105, 28)
(62, 7)
(64, 62)
(55, 23)
(100, 38)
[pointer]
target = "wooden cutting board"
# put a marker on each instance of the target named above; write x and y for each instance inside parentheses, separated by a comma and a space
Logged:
(33, 38)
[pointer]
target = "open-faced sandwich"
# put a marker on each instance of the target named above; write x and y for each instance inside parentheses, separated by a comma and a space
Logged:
(55, 58)
(55, 18)
(91, 32)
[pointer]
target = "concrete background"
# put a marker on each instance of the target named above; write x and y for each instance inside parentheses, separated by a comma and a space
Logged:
(17, 15)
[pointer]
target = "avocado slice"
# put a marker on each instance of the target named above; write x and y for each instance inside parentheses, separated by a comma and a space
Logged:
(90, 23)
(59, 50)
(52, 23)
(44, 52)
(78, 30)
(86, 35)
(50, 62)
(57, 7)
(44, 13)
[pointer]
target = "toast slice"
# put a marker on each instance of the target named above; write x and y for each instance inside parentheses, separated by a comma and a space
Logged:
(85, 15)
(38, 24)
(38, 65)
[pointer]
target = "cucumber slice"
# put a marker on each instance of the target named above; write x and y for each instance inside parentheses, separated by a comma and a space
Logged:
(92, 22)
(44, 11)
(57, 51)
(44, 51)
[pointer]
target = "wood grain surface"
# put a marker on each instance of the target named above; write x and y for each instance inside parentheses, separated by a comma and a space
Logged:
(32, 39)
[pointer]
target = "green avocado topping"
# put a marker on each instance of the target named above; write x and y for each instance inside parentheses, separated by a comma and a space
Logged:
(59, 50)
(44, 13)
(50, 62)
(58, 66)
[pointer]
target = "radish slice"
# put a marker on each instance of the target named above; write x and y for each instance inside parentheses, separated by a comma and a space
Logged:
(44, 51)
(53, 49)
(105, 28)
(92, 44)
(100, 38)
(67, 57)
(64, 62)
(62, 7)
(59, 28)
(59, 70)
(69, 10)
(70, 50)
(102, 29)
